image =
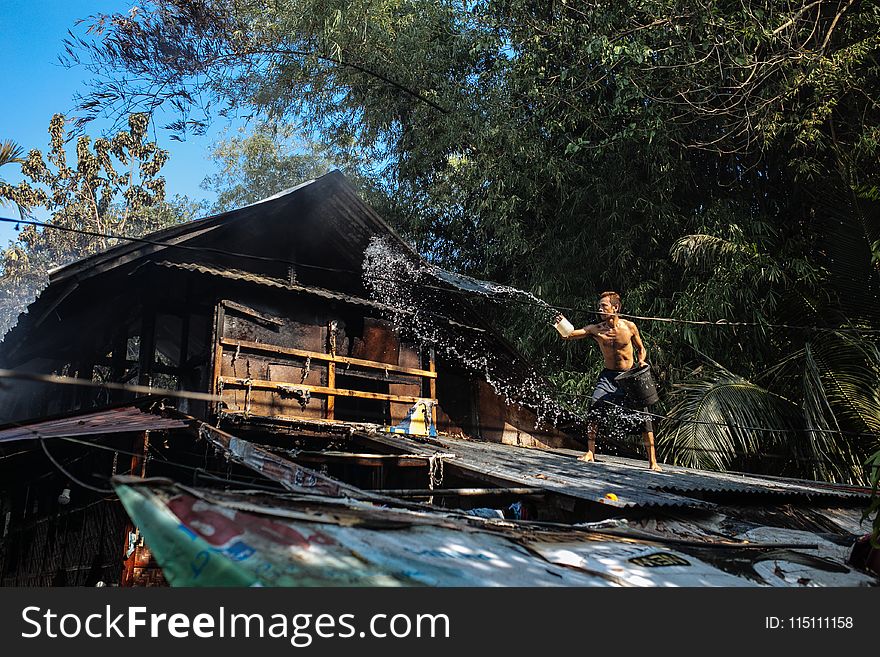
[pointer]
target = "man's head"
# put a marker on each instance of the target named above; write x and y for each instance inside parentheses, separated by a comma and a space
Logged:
(609, 304)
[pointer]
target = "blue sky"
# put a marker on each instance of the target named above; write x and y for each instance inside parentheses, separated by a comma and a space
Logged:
(35, 86)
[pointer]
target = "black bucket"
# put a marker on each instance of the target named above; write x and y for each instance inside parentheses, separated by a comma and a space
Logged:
(638, 384)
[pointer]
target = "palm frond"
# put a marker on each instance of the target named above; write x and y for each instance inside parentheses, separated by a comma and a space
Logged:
(716, 418)
(851, 378)
(826, 450)
(10, 152)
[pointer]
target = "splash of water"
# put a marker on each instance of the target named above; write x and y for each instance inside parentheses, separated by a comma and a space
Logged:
(493, 290)
(415, 291)
(616, 424)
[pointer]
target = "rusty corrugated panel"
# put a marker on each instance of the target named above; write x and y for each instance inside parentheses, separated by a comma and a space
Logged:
(113, 420)
(256, 279)
(275, 467)
(732, 482)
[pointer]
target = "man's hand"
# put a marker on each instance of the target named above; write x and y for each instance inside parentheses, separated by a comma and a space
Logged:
(643, 363)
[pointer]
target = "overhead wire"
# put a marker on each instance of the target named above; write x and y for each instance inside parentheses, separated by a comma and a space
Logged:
(171, 462)
(109, 385)
(201, 396)
(63, 469)
(187, 394)
(184, 247)
(728, 424)
(238, 255)
(67, 473)
(242, 482)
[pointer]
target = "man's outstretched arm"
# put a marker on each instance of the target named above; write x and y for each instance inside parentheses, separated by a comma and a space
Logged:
(581, 333)
(576, 333)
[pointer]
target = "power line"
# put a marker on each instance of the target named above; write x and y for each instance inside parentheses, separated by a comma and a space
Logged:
(201, 396)
(616, 442)
(109, 385)
(63, 469)
(165, 460)
(66, 473)
(185, 247)
(202, 249)
(673, 320)
(196, 469)
(727, 424)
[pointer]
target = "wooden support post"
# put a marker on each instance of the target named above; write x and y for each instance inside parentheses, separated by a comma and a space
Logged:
(139, 460)
(217, 342)
(147, 355)
(331, 383)
(138, 468)
(432, 385)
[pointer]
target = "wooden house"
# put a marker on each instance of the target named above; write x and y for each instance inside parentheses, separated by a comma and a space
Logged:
(243, 351)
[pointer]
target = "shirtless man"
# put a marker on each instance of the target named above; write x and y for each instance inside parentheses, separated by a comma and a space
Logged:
(616, 338)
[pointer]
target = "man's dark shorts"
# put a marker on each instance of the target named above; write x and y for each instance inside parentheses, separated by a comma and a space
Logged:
(608, 394)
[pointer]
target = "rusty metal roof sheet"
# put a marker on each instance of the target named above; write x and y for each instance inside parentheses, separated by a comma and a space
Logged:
(428, 547)
(110, 420)
(558, 471)
(256, 279)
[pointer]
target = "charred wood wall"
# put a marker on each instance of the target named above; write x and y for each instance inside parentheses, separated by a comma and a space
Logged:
(285, 359)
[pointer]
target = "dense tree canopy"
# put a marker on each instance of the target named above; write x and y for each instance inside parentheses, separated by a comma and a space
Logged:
(257, 163)
(709, 160)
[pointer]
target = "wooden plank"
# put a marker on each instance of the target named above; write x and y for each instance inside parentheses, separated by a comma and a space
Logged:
(432, 367)
(460, 492)
(317, 355)
(331, 383)
(307, 421)
(259, 384)
(371, 460)
(254, 314)
(217, 342)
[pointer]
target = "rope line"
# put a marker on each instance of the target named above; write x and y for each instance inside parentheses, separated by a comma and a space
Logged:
(674, 320)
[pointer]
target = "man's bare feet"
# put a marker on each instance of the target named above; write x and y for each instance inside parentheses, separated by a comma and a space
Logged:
(587, 458)
(655, 467)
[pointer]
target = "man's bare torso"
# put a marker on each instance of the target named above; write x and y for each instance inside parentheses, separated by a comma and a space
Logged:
(615, 343)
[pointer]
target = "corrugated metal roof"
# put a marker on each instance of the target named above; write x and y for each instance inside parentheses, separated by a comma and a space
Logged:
(256, 279)
(112, 420)
(696, 481)
(558, 471)
(552, 471)
(173, 234)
